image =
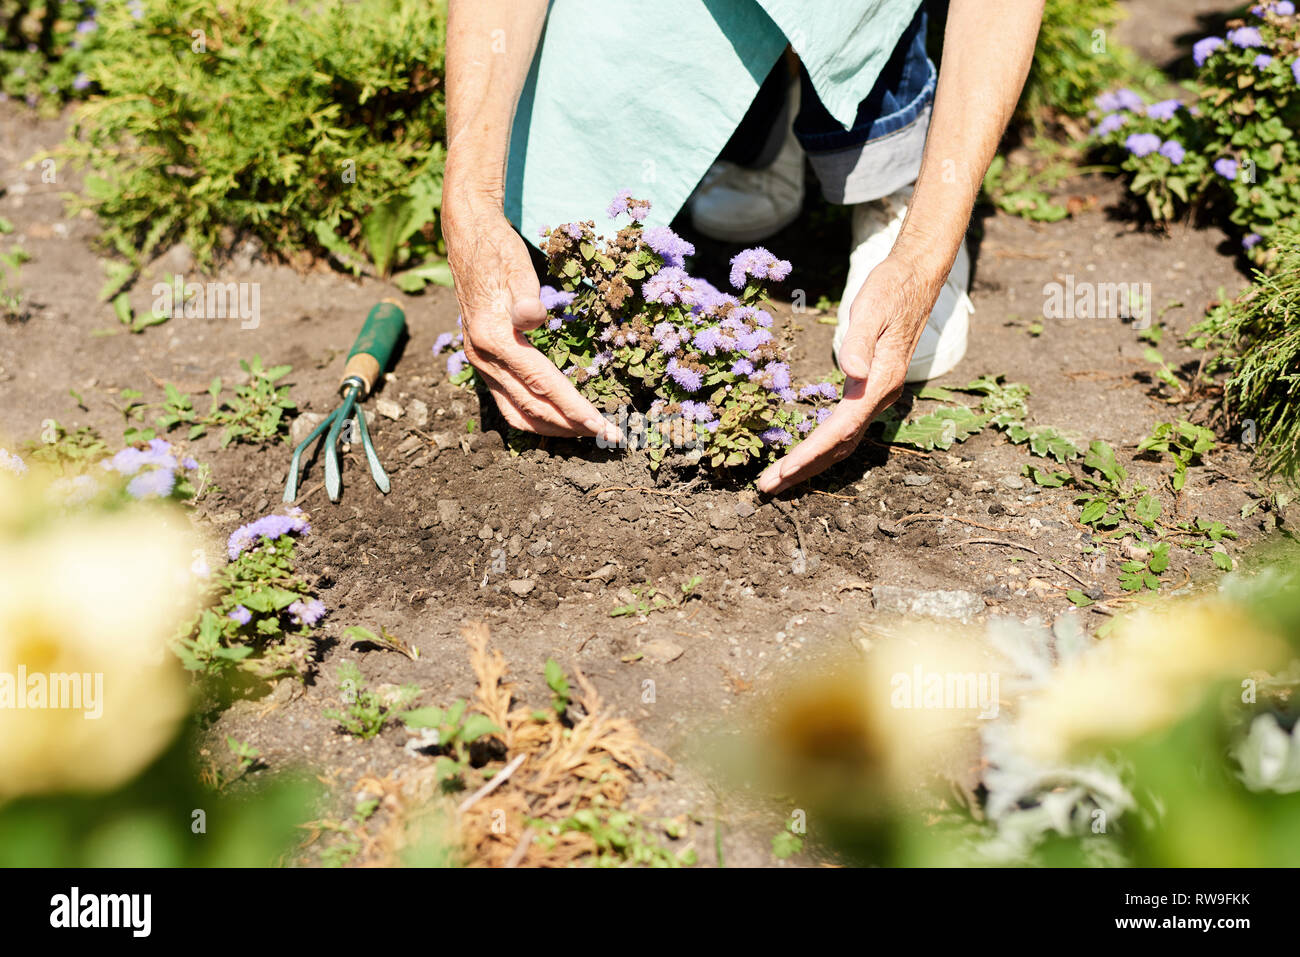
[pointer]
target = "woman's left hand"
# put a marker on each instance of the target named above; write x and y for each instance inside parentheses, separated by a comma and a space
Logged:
(885, 324)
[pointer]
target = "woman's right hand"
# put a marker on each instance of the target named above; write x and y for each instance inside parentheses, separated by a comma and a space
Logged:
(500, 300)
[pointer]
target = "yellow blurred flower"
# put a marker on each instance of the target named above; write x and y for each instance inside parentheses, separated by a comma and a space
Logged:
(89, 694)
(1155, 669)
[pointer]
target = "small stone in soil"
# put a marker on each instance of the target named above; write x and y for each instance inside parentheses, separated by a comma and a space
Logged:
(522, 586)
(935, 604)
(916, 479)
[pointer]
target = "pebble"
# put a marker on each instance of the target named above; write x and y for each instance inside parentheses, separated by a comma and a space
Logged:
(963, 605)
(744, 508)
(388, 409)
(916, 479)
(661, 650)
(522, 586)
(1012, 481)
(419, 412)
(448, 511)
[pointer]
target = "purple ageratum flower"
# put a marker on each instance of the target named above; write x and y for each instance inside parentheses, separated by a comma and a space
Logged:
(820, 390)
(308, 612)
(553, 324)
(1263, 61)
(1295, 70)
(1284, 8)
(688, 379)
(623, 203)
(1164, 110)
(696, 411)
(12, 463)
(1226, 167)
(572, 230)
(443, 342)
(240, 614)
(780, 373)
(703, 297)
(665, 286)
(87, 26)
(707, 340)
(155, 483)
(1142, 144)
(804, 426)
(137, 8)
(763, 318)
(552, 297)
(1245, 37)
(1173, 151)
(80, 81)
(760, 264)
(822, 414)
(1250, 240)
(1108, 102)
(742, 367)
(269, 527)
(1110, 123)
(776, 436)
(747, 342)
(1202, 49)
(670, 247)
(456, 362)
(189, 463)
(1128, 100)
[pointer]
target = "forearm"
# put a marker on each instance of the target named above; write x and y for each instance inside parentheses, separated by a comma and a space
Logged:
(490, 46)
(987, 49)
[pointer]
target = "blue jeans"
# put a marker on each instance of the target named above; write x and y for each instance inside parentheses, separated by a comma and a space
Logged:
(879, 154)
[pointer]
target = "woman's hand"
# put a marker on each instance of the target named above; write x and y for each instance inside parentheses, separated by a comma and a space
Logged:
(499, 301)
(885, 324)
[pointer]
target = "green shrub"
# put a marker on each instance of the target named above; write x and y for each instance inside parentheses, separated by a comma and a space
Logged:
(1234, 146)
(1075, 59)
(1257, 338)
(305, 126)
(45, 46)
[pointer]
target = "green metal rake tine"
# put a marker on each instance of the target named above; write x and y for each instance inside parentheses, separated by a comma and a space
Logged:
(376, 470)
(291, 486)
(333, 479)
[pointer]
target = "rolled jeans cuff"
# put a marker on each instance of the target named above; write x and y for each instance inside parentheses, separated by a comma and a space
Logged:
(871, 170)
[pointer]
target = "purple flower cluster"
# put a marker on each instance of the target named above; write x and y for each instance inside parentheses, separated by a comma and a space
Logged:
(152, 470)
(670, 247)
(448, 340)
(1173, 151)
(636, 209)
(1226, 167)
(1142, 144)
(820, 390)
(12, 463)
(1163, 110)
(1245, 38)
(1203, 48)
(1110, 123)
(240, 614)
(308, 612)
(760, 264)
(269, 527)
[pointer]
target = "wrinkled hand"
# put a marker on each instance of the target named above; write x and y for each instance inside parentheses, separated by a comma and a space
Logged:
(500, 300)
(885, 324)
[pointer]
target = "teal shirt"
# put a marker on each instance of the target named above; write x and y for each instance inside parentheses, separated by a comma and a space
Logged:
(644, 95)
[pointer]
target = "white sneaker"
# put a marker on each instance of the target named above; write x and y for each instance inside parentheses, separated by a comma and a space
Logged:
(740, 205)
(943, 341)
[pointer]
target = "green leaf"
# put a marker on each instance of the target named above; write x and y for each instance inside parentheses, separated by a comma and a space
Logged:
(1078, 598)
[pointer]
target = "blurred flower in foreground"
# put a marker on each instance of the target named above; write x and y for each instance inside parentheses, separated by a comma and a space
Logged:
(88, 694)
(1153, 671)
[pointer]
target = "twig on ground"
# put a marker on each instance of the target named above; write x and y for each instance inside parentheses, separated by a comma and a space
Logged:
(498, 779)
(989, 541)
(936, 517)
